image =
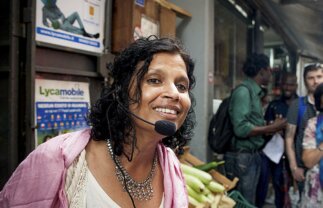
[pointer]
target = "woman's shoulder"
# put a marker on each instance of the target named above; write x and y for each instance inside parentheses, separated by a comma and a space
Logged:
(60, 149)
(66, 142)
(42, 170)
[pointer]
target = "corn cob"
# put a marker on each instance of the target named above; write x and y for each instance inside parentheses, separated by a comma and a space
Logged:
(203, 176)
(194, 183)
(194, 202)
(215, 187)
(198, 196)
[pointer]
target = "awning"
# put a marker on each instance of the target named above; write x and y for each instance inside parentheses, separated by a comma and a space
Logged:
(298, 22)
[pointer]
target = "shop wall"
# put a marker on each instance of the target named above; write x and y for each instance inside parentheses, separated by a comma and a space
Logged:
(22, 60)
(73, 57)
(8, 86)
(197, 35)
(4, 134)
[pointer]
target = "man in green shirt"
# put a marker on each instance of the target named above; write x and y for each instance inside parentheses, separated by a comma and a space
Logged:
(246, 114)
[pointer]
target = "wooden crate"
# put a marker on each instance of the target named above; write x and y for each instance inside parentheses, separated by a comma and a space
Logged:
(127, 15)
(188, 158)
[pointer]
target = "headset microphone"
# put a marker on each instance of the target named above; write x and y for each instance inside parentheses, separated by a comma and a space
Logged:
(163, 127)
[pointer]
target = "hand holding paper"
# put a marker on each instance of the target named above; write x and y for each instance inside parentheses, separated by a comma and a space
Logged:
(274, 149)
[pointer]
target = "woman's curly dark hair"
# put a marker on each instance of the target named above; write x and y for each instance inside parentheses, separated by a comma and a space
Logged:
(108, 118)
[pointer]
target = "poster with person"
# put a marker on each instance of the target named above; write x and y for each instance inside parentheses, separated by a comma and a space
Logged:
(77, 24)
(60, 107)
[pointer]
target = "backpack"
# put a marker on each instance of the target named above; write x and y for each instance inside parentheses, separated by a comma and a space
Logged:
(301, 110)
(221, 128)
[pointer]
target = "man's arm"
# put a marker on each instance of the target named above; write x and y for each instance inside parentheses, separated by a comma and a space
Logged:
(239, 112)
(277, 125)
(298, 173)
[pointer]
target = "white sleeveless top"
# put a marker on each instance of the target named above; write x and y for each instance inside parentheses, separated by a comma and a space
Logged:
(96, 196)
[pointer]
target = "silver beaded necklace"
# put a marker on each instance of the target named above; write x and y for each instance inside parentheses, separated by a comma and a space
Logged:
(138, 190)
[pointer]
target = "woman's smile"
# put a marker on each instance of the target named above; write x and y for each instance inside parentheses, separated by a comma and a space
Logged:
(167, 113)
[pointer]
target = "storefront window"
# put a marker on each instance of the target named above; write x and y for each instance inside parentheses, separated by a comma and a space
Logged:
(279, 62)
(230, 50)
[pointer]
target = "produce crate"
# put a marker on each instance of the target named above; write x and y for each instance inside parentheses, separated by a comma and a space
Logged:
(222, 201)
(188, 158)
(241, 202)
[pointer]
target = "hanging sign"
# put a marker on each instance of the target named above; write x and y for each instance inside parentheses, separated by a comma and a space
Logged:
(60, 107)
(77, 24)
(140, 3)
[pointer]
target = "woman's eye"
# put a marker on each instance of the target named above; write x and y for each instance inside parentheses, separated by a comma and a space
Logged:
(154, 81)
(182, 87)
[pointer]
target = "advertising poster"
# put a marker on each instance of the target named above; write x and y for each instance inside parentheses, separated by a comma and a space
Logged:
(60, 107)
(75, 24)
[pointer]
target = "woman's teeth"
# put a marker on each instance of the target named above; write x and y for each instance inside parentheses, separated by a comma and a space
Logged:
(166, 110)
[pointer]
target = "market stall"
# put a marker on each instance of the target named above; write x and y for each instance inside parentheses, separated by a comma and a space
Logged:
(207, 187)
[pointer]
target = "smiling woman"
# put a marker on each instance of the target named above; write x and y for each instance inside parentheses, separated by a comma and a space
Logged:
(122, 161)
(137, 67)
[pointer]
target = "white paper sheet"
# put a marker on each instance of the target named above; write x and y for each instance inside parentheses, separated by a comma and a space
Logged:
(274, 149)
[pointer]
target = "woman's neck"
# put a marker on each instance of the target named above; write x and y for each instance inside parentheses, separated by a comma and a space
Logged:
(141, 150)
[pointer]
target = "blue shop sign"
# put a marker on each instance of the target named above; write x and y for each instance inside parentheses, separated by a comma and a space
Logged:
(140, 3)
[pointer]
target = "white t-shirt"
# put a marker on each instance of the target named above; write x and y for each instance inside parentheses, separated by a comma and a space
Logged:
(97, 197)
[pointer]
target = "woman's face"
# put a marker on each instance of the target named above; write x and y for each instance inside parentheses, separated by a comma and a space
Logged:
(164, 94)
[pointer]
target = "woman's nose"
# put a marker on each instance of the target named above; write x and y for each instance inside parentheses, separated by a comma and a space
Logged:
(171, 92)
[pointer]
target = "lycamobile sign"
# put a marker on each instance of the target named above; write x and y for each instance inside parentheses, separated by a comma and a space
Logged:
(60, 92)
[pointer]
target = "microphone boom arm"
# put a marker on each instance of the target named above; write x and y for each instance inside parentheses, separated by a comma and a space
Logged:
(127, 111)
(163, 127)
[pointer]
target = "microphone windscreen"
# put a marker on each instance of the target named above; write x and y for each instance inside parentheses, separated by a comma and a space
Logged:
(166, 128)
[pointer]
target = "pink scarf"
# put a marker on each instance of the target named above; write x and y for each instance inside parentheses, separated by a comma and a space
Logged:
(174, 184)
(40, 179)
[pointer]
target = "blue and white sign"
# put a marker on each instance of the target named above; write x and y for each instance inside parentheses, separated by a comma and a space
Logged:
(60, 107)
(140, 3)
(61, 115)
(75, 24)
